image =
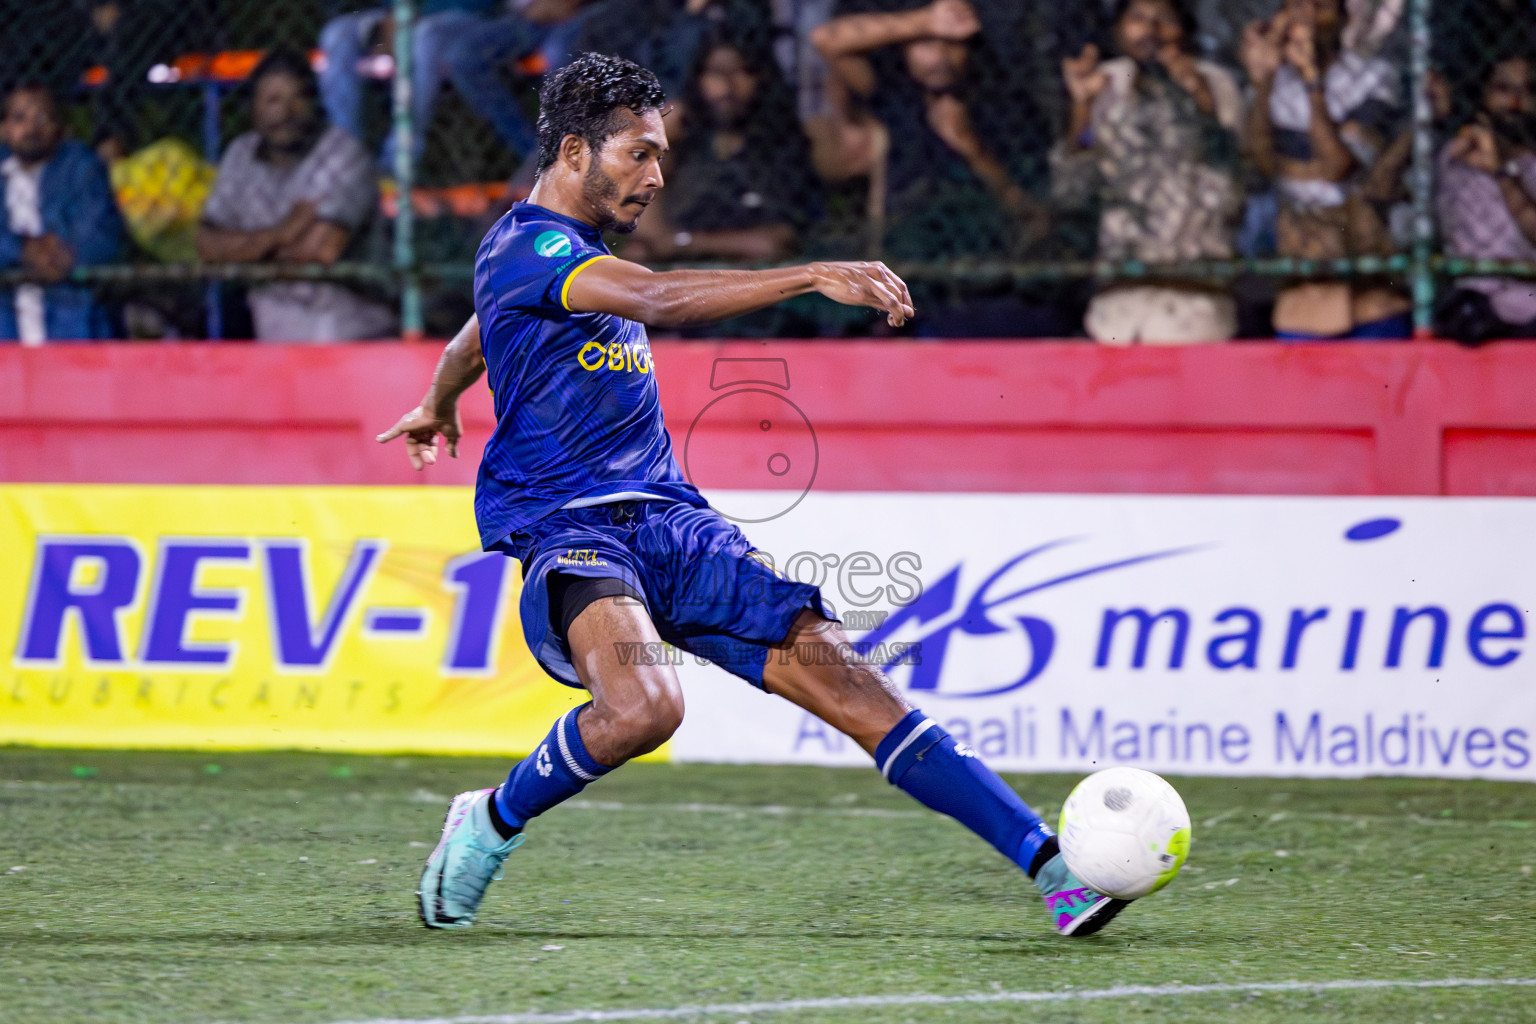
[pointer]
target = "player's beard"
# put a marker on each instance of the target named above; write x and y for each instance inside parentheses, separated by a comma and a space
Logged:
(602, 195)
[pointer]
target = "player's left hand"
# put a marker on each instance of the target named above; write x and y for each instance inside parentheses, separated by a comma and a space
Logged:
(865, 284)
(421, 428)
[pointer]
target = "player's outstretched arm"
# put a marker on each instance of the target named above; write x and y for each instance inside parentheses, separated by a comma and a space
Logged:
(460, 366)
(678, 298)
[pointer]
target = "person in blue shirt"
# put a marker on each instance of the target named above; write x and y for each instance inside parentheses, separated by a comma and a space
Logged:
(477, 63)
(619, 552)
(345, 40)
(57, 212)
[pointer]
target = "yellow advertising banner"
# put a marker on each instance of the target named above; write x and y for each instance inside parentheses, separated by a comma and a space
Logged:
(364, 619)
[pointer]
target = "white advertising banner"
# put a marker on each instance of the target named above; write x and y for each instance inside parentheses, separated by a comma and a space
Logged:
(1193, 635)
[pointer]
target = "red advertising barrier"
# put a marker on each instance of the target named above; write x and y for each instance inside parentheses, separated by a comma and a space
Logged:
(860, 415)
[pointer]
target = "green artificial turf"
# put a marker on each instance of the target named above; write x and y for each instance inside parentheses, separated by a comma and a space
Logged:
(176, 889)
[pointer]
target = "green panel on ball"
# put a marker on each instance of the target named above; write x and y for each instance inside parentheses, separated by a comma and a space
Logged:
(1178, 845)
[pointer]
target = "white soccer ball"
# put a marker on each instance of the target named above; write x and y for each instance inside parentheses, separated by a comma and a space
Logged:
(1124, 832)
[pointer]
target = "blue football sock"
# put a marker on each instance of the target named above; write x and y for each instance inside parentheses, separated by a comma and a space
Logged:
(557, 770)
(925, 762)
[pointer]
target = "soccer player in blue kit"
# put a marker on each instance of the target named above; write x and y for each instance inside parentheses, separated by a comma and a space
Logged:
(578, 483)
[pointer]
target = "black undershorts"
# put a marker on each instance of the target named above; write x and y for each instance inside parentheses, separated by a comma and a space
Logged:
(570, 595)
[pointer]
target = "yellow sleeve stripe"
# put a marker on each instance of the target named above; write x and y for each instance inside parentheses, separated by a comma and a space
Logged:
(565, 289)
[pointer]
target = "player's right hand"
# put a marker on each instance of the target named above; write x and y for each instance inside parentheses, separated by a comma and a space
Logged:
(420, 429)
(866, 284)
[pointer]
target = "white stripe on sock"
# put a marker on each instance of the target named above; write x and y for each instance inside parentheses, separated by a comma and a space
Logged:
(912, 736)
(565, 751)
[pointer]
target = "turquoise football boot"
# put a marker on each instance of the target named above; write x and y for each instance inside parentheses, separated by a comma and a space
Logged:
(467, 859)
(1075, 909)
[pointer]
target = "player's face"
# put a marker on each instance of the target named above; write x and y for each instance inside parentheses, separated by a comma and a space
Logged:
(625, 175)
(936, 64)
(32, 130)
(1146, 27)
(727, 85)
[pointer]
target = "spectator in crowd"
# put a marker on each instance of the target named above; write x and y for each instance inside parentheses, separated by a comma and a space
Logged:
(666, 36)
(740, 185)
(1154, 134)
(951, 155)
(1486, 201)
(478, 61)
(961, 152)
(59, 214)
(1462, 35)
(294, 190)
(345, 40)
(1321, 115)
(127, 38)
(1388, 186)
(55, 44)
(803, 66)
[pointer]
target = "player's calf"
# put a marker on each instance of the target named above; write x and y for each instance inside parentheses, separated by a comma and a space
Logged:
(815, 669)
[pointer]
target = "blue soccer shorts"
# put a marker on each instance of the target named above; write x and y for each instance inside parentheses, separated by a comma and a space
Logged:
(706, 588)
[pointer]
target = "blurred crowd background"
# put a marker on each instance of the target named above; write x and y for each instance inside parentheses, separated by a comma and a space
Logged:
(1130, 171)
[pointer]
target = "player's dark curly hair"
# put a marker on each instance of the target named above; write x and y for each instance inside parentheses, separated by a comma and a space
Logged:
(584, 98)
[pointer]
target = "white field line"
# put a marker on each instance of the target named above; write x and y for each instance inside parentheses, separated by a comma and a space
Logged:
(739, 1010)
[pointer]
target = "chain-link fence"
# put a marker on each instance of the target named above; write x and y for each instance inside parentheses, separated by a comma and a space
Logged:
(1136, 170)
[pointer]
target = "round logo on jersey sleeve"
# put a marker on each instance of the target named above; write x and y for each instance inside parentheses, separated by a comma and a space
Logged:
(552, 243)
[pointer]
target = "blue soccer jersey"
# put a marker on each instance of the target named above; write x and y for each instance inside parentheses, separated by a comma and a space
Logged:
(578, 415)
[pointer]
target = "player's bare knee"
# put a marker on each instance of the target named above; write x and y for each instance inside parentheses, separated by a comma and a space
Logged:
(662, 713)
(642, 713)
